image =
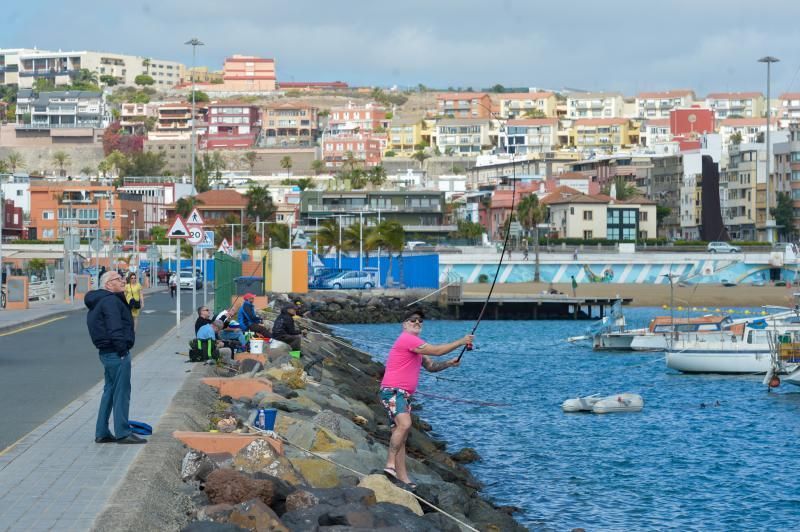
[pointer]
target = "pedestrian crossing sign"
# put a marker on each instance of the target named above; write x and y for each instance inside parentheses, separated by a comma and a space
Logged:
(195, 218)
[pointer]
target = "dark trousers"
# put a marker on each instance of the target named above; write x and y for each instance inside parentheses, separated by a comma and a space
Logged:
(172, 291)
(259, 329)
(294, 340)
(116, 396)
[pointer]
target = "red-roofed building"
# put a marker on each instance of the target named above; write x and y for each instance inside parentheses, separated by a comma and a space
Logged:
(231, 125)
(600, 216)
(736, 104)
(290, 124)
(464, 104)
(654, 131)
(310, 86)
(215, 205)
(659, 104)
(13, 221)
(366, 148)
(789, 108)
(354, 119)
(243, 73)
(750, 129)
(601, 134)
(499, 206)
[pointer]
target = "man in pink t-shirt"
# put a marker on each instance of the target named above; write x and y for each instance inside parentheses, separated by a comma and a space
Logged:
(408, 354)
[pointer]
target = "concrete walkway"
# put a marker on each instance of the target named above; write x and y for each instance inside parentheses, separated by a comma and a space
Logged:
(56, 477)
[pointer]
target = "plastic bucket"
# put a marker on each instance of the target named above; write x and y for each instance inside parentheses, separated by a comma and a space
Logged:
(295, 354)
(257, 346)
(265, 418)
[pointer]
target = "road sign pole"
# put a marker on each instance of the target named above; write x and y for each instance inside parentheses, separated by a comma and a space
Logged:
(194, 276)
(178, 282)
(205, 277)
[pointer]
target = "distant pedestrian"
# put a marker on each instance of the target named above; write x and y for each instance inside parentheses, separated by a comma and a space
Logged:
(574, 286)
(135, 297)
(111, 327)
(73, 283)
(575, 255)
(173, 285)
(525, 254)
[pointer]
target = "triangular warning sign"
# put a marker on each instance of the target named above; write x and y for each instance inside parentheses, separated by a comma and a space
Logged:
(194, 218)
(224, 247)
(178, 229)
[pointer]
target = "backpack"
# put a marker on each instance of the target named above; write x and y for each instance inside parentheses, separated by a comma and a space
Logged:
(202, 350)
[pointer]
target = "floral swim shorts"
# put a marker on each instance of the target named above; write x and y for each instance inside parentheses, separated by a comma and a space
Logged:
(395, 401)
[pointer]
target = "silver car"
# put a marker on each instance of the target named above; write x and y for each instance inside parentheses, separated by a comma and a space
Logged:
(350, 280)
(722, 247)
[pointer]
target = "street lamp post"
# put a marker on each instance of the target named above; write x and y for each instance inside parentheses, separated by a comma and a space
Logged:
(194, 42)
(768, 59)
(135, 242)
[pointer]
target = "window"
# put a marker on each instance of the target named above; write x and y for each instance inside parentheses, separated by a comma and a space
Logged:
(587, 215)
(572, 210)
(642, 216)
(48, 215)
(587, 235)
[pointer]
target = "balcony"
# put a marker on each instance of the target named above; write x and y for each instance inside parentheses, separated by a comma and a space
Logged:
(47, 125)
(47, 73)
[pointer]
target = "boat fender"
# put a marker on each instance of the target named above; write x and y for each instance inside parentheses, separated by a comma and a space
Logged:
(775, 381)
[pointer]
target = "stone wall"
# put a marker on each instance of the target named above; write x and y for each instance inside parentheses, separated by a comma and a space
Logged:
(39, 159)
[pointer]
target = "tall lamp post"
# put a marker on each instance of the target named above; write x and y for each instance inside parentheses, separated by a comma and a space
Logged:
(768, 59)
(194, 42)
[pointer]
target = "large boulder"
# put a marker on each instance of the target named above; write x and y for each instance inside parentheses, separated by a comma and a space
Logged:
(232, 487)
(309, 436)
(210, 526)
(255, 515)
(196, 466)
(317, 473)
(467, 455)
(485, 516)
(385, 491)
(260, 456)
(300, 499)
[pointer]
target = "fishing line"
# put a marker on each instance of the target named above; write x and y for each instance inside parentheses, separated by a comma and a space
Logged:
(502, 254)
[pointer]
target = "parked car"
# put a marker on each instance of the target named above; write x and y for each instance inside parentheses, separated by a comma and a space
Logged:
(722, 247)
(351, 279)
(188, 279)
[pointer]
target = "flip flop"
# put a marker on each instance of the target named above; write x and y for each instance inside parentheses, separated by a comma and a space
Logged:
(391, 473)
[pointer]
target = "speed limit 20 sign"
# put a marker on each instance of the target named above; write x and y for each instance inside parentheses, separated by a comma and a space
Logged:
(195, 234)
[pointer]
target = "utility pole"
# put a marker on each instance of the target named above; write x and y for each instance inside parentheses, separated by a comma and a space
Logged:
(194, 42)
(2, 220)
(768, 60)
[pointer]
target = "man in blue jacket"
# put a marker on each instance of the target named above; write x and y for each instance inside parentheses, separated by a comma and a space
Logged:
(249, 319)
(110, 325)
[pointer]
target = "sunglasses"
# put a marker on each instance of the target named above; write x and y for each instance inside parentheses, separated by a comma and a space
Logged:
(415, 320)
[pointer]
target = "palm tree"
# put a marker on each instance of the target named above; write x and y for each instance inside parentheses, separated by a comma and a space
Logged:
(61, 159)
(353, 239)
(377, 175)
(358, 179)
(259, 203)
(389, 234)
(217, 163)
(15, 160)
(531, 213)
(104, 167)
(304, 183)
(350, 161)
(420, 157)
(250, 158)
(317, 165)
(624, 189)
(286, 164)
(328, 236)
(185, 205)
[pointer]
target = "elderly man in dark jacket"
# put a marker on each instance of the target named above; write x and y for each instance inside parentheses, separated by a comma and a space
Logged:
(285, 330)
(111, 327)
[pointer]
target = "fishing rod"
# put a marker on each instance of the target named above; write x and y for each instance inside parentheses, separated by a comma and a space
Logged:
(468, 347)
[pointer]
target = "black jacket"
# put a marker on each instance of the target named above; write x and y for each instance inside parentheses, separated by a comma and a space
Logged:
(200, 322)
(284, 326)
(110, 322)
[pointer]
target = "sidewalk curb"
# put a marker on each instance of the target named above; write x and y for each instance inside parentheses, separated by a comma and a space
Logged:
(38, 320)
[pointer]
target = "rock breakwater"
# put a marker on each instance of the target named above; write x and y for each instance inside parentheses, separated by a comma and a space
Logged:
(323, 469)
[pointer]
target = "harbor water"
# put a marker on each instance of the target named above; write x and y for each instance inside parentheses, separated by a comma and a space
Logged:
(708, 452)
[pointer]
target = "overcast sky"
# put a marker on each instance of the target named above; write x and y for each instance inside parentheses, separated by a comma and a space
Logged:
(620, 45)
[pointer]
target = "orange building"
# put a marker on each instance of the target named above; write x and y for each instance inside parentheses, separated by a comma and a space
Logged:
(60, 205)
(242, 73)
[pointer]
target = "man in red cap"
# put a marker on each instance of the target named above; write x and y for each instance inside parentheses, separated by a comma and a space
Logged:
(249, 319)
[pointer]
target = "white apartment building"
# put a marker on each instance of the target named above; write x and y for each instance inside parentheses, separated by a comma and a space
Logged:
(518, 104)
(655, 131)
(9, 64)
(60, 110)
(62, 67)
(750, 129)
(789, 108)
(741, 104)
(529, 135)
(659, 104)
(132, 116)
(746, 163)
(595, 105)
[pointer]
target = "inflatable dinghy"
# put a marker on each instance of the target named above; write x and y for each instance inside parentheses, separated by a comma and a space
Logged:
(623, 402)
(580, 404)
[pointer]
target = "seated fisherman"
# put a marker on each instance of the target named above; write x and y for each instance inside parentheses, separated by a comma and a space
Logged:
(207, 337)
(284, 328)
(232, 334)
(249, 319)
(203, 317)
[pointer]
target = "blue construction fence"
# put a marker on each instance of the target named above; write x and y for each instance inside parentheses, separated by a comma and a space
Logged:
(418, 271)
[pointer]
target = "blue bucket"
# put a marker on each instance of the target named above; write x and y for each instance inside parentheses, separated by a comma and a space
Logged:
(265, 418)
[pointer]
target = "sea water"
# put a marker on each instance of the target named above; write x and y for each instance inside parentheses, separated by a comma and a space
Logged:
(708, 452)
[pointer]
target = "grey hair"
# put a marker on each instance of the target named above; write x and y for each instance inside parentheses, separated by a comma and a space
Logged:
(218, 324)
(104, 278)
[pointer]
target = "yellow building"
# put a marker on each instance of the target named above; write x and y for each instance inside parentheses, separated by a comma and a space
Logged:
(404, 134)
(601, 134)
(522, 104)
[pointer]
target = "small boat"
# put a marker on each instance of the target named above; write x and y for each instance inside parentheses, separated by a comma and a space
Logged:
(580, 404)
(654, 337)
(623, 402)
